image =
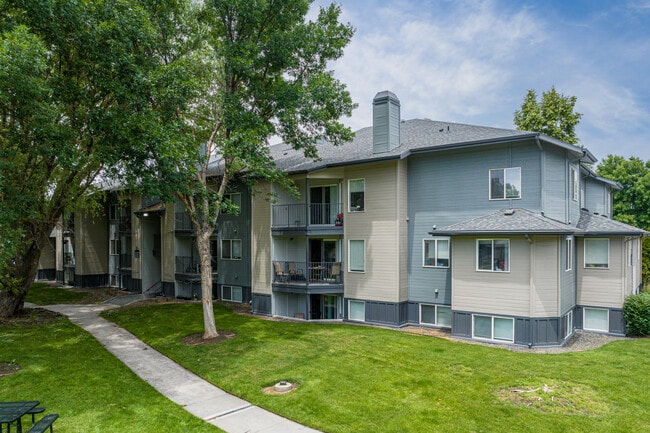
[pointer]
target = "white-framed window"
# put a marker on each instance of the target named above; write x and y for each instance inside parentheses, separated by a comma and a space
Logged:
(505, 183)
(568, 251)
(435, 252)
(357, 310)
(356, 255)
(356, 195)
(575, 184)
(231, 293)
(493, 255)
(493, 328)
(114, 247)
(231, 249)
(596, 319)
(438, 315)
(235, 200)
(567, 323)
(597, 253)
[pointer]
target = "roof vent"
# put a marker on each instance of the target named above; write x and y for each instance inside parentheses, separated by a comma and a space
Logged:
(509, 212)
(385, 122)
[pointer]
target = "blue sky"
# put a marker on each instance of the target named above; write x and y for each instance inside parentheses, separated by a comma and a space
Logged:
(473, 62)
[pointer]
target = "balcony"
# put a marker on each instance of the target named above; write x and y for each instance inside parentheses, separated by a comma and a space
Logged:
(125, 225)
(314, 218)
(68, 260)
(308, 277)
(189, 268)
(183, 224)
(125, 262)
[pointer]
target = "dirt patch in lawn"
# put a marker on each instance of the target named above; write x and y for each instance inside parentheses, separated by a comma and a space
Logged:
(552, 397)
(31, 316)
(198, 340)
(7, 368)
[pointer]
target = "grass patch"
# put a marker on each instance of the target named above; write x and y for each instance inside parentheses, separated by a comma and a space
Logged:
(72, 374)
(44, 294)
(365, 379)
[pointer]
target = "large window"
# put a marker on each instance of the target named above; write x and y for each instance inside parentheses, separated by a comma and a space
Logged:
(493, 328)
(356, 191)
(439, 315)
(505, 183)
(436, 252)
(357, 310)
(597, 253)
(234, 203)
(356, 256)
(231, 249)
(493, 255)
(231, 293)
(596, 319)
(568, 251)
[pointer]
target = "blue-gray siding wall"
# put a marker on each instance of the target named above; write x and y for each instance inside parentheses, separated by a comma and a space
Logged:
(556, 184)
(452, 186)
(261, 304)
(616, 319)
(596, 196)
(236, 272)
(384, 313)
(568, 284)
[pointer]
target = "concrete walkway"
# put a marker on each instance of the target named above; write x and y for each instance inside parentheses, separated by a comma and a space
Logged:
(197, 396)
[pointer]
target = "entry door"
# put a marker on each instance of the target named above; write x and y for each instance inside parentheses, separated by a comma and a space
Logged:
(322, 200)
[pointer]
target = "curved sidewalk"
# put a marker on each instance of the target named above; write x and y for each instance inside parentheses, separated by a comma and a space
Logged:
(196, 395)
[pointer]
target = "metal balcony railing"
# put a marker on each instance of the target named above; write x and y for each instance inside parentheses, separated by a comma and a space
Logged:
(301, 214)
(192, 265)
(306, 273)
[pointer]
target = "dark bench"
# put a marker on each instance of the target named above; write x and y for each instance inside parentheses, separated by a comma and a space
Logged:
(44, 423)
(34, 411)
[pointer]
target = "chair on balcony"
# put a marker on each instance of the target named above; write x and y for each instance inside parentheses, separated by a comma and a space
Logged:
(294, 273)
(280, 275)
(335, 275)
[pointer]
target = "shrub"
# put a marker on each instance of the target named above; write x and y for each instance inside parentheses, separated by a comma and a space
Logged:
(636, 311)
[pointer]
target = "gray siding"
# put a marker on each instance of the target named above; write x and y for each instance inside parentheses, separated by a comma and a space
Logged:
(236, 272)
(568, 287)
(261, 304)
(556, 184)
(449, 187)
(384, 313)
(596, 196)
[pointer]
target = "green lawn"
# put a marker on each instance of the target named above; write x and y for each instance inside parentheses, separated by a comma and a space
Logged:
(365, 379)
(72, 374)
(44, 294)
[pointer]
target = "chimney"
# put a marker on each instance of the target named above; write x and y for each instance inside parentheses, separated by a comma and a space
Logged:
(385, 122)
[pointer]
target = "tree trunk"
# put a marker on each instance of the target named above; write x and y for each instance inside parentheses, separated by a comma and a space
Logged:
(203, 246)
(21, 274)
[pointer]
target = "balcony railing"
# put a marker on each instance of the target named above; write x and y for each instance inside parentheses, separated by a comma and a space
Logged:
(192, 265)
(306, 273)
(301, 214)
(183, 222)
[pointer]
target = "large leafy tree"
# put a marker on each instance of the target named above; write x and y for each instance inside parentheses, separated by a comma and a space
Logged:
(632, 202)
(553, 115)
(81, 87)
(263, 72)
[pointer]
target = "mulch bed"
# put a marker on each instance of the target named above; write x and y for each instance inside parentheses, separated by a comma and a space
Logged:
(6, 368)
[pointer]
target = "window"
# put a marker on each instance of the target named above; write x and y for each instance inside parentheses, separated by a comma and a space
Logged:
(231, 249)
(575, 184)
(493, 255)
(356, 190)
(357, 310)
(114, 247)
(113, 212)
(505, 183)
(568, 250)
(596, 319)
(436, 252)
(356, 256)
(233, 202)
(231, 293)
(438, 315)
(597, 253)
(567, 324)
(493, 328)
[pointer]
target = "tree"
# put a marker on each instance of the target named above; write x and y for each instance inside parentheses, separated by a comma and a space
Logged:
(632, 202)
(263, 72)
(81, 86)
(553, 115)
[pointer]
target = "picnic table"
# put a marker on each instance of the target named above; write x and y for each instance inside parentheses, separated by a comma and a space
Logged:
(13, 411)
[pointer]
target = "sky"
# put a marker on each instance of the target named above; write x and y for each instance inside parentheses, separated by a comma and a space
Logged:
(474, 61)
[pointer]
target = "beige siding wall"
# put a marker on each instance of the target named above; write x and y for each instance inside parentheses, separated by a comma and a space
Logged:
(48, 255)
(167, 243)
(602, 287)
(59, 244)
(261, 241)
(505, 293)
(402, 215)
(91, 242)
(378, 226)
(545, 289)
